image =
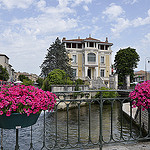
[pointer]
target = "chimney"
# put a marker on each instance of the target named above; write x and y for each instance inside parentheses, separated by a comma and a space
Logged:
(63, 39)
(106, 39)
(89, 35)
(78, 37)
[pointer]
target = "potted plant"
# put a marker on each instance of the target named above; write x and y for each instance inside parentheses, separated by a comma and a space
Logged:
(141, 96)
(20, 105)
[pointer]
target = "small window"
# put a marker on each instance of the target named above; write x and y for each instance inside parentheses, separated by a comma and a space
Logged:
(102, 47)
(74, 72)
(102, 59)
(68, 45)
(102, 73)
(74, 59)
(91, 57)
(79, 45)
(91, 44)
(73, 45)
(106, 47)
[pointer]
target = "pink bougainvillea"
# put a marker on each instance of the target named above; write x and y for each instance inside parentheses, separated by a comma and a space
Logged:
(141, 95)
(25, 99)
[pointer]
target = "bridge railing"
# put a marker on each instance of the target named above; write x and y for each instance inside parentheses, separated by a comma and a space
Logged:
(80, 121)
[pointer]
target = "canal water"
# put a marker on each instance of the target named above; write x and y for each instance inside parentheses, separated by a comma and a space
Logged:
(50, 128)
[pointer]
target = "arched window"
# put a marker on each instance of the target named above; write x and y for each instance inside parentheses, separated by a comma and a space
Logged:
(91, 57)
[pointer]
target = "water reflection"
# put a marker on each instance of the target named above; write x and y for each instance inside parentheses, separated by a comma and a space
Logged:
(74, 135)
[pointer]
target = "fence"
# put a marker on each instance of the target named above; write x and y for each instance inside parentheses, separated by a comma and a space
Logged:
(79, 121)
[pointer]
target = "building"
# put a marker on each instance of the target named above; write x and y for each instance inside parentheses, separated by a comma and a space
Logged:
(91, 58)
(4, 61)
(141, 75)
(31, 76)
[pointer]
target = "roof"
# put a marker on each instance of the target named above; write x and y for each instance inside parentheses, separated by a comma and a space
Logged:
(90, 39)
(4, 55)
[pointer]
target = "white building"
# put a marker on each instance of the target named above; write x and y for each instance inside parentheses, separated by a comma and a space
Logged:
(4, 61)
(90, 58)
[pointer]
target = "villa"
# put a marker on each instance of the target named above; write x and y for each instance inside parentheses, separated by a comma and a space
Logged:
(91, 58)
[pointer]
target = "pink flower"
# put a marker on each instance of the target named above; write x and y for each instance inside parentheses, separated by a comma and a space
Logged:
(25, 99)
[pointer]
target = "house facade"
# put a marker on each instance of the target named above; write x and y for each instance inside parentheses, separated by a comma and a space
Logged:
(4, 61)
(91, 58)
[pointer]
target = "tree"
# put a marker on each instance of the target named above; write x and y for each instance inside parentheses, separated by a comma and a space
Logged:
(126, 60)
(26, 81)
(56, 77)
(4, 75)
(40, 82)
(22, 77)
(56, 58)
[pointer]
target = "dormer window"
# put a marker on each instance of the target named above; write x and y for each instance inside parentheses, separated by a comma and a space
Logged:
(91, 57)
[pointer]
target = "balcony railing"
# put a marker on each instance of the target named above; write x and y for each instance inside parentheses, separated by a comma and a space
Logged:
(79, 121)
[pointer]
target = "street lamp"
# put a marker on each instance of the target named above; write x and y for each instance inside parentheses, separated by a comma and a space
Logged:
(147, 59)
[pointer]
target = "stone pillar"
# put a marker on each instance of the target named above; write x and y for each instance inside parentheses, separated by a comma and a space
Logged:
(116, 81)
(96, 72)
(86, 69)
(128, 81)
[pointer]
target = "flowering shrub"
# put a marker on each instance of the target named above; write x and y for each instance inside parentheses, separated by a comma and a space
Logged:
(25, 99)
(141, 95)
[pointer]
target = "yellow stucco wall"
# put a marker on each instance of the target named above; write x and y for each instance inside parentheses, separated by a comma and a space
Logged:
(69, 55)
(79, 65)
(98, 65)
(107, 66)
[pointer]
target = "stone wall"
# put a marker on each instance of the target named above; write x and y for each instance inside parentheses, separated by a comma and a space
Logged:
(67, 88)
(144, 119)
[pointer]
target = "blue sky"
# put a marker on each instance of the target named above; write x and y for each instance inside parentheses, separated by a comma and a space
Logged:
(29, 27)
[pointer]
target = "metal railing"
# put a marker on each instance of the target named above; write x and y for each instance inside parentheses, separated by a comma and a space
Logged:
(68, 118)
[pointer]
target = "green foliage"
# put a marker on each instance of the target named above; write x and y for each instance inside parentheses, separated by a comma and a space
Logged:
(56, 77)
(4, 75)
(22, 77)
(46, 85)
(107, 94)
(79, 82)
(125, 61)
(56, 58)
(40, 82)
(27, 82)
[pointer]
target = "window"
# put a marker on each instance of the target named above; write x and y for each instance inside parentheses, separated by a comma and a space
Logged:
(73, 45)
(91, 44)
(68, 45)
(102, 47)
(74, 72)
(107, 47)
(102, 73)
(102, 59)
(74, 59)
(91, 57)
(79, 45)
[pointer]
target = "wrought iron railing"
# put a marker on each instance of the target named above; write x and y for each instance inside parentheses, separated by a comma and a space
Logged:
(80, 121)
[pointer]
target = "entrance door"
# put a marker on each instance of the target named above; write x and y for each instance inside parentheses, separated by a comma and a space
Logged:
(89, 73)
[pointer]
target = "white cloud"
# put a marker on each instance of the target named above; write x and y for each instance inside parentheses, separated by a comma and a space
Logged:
(130, 1)
(113, 11)
(140, 21)
(121, 25)
(94, 19)
(10, 4)
(85, 7)
(78, 2)
(45, 24)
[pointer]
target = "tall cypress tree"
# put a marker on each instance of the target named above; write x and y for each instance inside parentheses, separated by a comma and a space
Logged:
(56, 58)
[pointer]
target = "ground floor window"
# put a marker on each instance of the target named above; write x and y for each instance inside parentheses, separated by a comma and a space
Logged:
(74, 72)
(102, 73)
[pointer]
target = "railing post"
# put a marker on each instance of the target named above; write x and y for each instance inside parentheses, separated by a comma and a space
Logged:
(1, 139)
(148, 124)
(17, 145)
(100, 124)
